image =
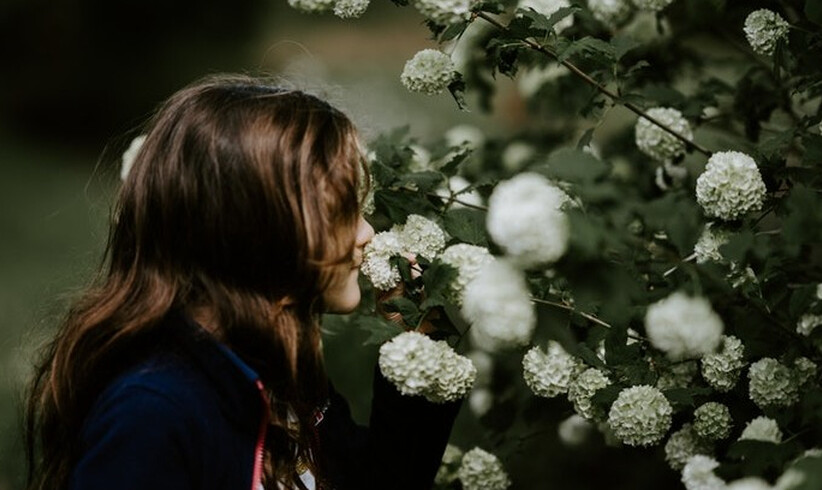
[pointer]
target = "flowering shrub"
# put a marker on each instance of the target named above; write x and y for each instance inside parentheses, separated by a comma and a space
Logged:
(649, 259)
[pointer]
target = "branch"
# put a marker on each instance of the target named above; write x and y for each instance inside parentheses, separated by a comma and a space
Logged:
(584, 315)
(601, 88)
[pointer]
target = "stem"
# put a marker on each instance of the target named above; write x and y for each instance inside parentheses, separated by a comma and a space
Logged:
(453, 199)
(601, 88)
(582, 314)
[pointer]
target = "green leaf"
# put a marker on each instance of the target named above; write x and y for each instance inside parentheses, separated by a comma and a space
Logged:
(541, 22)
(405, 307)
(621, 45)
(813, 150)
(605, 397)
(758, 457)
(397, 205)
(574, 166)
(457, 90)
(424, 181)
(590, 47)
(453, 31)
(466, 225)
(738, 246)
(437, 280)
(379, 328)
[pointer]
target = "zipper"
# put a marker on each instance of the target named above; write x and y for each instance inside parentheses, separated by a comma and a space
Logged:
(259, 449)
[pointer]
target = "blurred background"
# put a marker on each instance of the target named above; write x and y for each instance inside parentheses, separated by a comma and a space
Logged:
(80, 75)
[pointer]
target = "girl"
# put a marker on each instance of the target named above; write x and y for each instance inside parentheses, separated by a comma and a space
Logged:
(195, 362)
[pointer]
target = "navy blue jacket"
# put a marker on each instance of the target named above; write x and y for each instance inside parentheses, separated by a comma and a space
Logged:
(192, 417)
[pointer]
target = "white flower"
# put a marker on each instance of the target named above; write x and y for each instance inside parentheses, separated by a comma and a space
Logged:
(547, 8)
(376, 255)
(417, 365)
(807, 323)
(445, 12)
(525, 218)
(683, 444)
(458, 189)
(529, 81)
(350, 9)
(763, 29)
(749, 483)
(312, 5)
(805, 370)
(447, 471)
(819, 291)
(722, 369)
(730, 187)
(130, 155)
(481, 470)
(498, 305)
(683, 327)
(582, 388)
(654, 5)
(549, 374)
(421, 236)
(792, 479)
(640, 416)
(480, 401)
(468, 260)
(762, 429)
(429, 71)
(677, 375)
(464, 135)
(707, 247)
(420, 160)
(655, 141)
(484, 363)
(574, 430)
(610, 12)
(698, 474)
(712, 421)
(772, 384)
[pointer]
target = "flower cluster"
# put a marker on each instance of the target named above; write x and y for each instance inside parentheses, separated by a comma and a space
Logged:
(447, 471)
(421, 236)
(445, 12)
(722, 369)
(582, 388)
(763, 29)
(682, 445)
(762, 429)
(805, 371)
(749, 483)
(677, 375)
(468, 260)
(312, 6)
(772, 384)
(547, 8)
(350, 9)
(498, 305)
(640, 416)
(712, 421)
(417, 365)
(707, 246)
(658, 143)
(130, 155)
(481, 470)
(654, 5)
(730, 187)
(610, 12)
(549, 374)
(525, 218)
(807, 323)
(429, 71)
(574, 430)
(698, 474)
(683, 327)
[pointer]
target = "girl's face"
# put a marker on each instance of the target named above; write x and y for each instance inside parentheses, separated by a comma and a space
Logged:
(343, 295)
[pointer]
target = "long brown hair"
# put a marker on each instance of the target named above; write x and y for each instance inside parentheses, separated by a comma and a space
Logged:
(242, 199)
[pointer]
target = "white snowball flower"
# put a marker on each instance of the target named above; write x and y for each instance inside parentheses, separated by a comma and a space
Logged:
(610, 12)
(350, 9)
(468, 260)
(730, 187)
(480, 401)
(445, 12)
(722, 369)
(683, 327)
(762, 429)
(430, 71)
(498, 305)
(525, 218)
(312, 6)
(682, 445)
(763, 29)
(574, 430)
(447, 471)
(421, 236)
(417, 365)
(547, 8)
(712, 421)
(376, 255)
(654, 5)
(130, 155)
(640, 416)
(677, 375)
(707, 246)
(749, 483)
(548, 374)
(481, 470)
(807, 323)
(464, 135)
(772, 384)
(582, 388)
(420, 159)
(698, 474)
(655, 141)
(457, 187)
(805, 371)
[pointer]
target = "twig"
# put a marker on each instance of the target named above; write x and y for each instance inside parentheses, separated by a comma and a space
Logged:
(582, 314)
(601, 88)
